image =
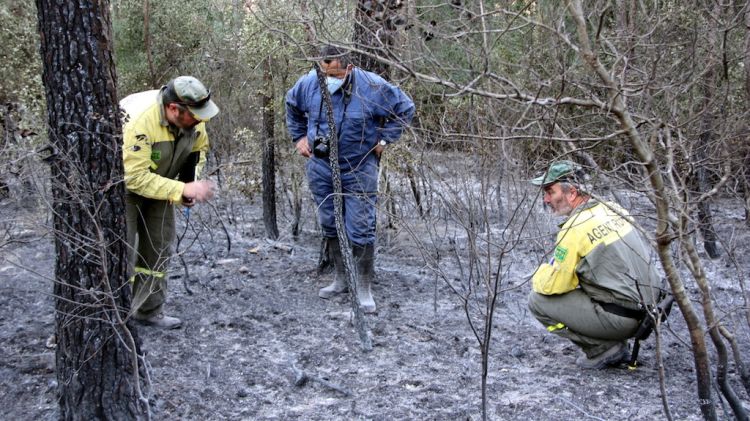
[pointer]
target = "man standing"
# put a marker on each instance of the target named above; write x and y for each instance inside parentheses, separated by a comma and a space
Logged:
(595, 289)
(164, 150)
(369, 114)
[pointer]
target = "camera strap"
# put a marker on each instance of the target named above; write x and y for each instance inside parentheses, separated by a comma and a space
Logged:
(348, 88)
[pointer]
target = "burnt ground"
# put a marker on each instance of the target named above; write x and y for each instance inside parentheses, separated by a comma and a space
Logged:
(255, 330)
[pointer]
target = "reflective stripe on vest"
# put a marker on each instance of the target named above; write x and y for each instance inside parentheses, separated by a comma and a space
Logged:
(146, 272)
(555, 327)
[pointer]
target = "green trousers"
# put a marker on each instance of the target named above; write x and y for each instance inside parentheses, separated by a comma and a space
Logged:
(574, 316)
(151, 230)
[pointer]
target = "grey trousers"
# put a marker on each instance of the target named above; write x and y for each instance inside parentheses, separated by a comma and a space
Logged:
(574, 316)
(151, 230)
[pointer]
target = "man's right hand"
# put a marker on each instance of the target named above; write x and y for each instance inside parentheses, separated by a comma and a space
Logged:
(303, 147)
(198, 191)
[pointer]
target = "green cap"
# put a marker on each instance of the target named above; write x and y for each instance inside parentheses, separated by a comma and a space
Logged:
(558, 171)
(190, 92)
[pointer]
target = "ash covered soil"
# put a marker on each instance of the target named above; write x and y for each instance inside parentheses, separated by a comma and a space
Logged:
(258, 344)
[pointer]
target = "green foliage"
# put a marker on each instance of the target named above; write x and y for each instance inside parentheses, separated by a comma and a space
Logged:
(22, 101)
(20, 69)
(247, 51)
(179, 41)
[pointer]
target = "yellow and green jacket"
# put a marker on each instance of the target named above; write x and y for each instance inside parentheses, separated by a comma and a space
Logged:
(599, 251)
(158, 158)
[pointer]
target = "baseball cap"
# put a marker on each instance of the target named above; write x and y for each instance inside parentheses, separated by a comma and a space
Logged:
(190, 93)
(558, 171)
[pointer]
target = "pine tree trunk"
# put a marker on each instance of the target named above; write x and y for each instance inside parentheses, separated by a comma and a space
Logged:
(746, 164)
(97, 366)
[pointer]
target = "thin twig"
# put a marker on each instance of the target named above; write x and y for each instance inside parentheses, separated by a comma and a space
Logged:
(569, 402)
(301, 378)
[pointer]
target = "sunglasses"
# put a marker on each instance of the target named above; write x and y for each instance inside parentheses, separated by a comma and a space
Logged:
(196, 104)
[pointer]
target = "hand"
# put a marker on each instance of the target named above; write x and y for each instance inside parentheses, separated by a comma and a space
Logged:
(303, 147)
(379, 150)
(188, 203)
(198, 191)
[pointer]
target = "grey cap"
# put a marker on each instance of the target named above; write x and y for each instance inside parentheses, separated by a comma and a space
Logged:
(192, 94)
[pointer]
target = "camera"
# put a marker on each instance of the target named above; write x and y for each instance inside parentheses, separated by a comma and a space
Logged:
(320, 147)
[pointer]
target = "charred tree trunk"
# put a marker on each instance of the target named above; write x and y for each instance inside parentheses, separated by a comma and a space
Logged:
(6, 140)
(338, 210)
(710, 82)
(269, 165)
(745, 174)
(705, 218)
(97, 351)
(365, 30)
(296, 182)
(414, 186)
(390, 204)
(375, 27)
(147, 43)
(374, 32)
(15, 171)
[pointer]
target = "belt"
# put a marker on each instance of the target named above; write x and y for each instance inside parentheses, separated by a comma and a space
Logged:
(622, 311)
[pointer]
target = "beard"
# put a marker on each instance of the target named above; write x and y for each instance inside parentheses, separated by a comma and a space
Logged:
(561, 208)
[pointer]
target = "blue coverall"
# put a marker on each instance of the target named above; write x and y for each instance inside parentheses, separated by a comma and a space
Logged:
(367, 109)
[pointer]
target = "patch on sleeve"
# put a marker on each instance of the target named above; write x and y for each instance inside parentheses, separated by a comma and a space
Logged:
(141, 137)
(560, 253)
(135, 148)
(156, 156)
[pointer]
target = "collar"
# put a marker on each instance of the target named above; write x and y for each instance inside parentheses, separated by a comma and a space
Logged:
(589, 204)
(162, 112)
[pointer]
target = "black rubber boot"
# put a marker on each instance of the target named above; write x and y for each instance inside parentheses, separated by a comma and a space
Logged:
(339, 284)
(365, 258)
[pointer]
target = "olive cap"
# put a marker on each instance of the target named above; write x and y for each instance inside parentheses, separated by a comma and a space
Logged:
(558, 171)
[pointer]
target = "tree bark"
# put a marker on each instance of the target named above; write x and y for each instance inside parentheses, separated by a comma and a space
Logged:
(268, 165)
(147, 43)
(745, 174)
(296, 182)
(97, 351)
(8, 137)
(373, 34)
(664, 229)
(710, 82)
(338, 210)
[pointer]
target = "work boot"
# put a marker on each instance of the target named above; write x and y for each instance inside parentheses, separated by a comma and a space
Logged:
(365, 258)
(610, 357)
(339, 284)
(160, 320)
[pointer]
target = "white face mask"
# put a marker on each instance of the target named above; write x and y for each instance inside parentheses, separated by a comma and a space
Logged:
(334, 83)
